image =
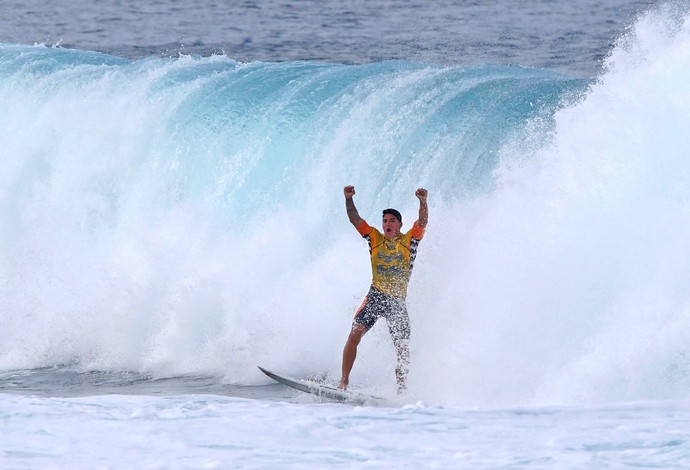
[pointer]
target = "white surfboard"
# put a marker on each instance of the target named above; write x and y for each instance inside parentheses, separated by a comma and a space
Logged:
(325, 391)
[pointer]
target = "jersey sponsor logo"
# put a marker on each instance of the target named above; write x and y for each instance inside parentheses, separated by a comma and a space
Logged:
(390, 257)
(391, 271)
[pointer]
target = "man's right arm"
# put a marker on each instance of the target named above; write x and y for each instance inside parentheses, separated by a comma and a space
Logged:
(352, 213)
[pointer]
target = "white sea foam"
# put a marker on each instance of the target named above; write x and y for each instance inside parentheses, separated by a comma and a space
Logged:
(567, 283)
(197, 431)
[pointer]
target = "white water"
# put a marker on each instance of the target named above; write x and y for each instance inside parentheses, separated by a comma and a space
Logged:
(215, 432)
(568, 284)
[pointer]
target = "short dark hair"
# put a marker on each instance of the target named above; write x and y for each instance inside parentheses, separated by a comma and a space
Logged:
(394, 213)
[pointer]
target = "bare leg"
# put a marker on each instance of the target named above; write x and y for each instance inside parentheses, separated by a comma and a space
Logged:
(350, 353)
(403, 348)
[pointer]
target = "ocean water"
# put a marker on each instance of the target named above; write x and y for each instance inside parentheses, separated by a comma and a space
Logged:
(171, 216)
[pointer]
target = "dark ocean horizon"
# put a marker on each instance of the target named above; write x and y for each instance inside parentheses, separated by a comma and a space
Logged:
(571, 37)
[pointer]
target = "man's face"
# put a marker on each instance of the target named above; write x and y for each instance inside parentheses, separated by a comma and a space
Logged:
(391, 225)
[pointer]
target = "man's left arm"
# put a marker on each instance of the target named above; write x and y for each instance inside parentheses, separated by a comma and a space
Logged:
(421, 194)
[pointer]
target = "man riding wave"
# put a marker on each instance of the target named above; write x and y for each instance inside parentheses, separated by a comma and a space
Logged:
(392, 259)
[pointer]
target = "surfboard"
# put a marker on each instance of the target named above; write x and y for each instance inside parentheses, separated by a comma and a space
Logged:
(324, 391)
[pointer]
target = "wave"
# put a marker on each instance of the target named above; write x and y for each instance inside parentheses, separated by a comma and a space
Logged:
(185, 216)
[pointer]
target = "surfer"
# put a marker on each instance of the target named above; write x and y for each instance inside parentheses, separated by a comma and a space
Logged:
(392, 258)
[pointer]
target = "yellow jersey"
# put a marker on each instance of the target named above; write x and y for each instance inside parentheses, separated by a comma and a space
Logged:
(392, 259)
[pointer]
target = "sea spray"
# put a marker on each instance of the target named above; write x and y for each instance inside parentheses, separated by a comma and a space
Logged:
(570, 278)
